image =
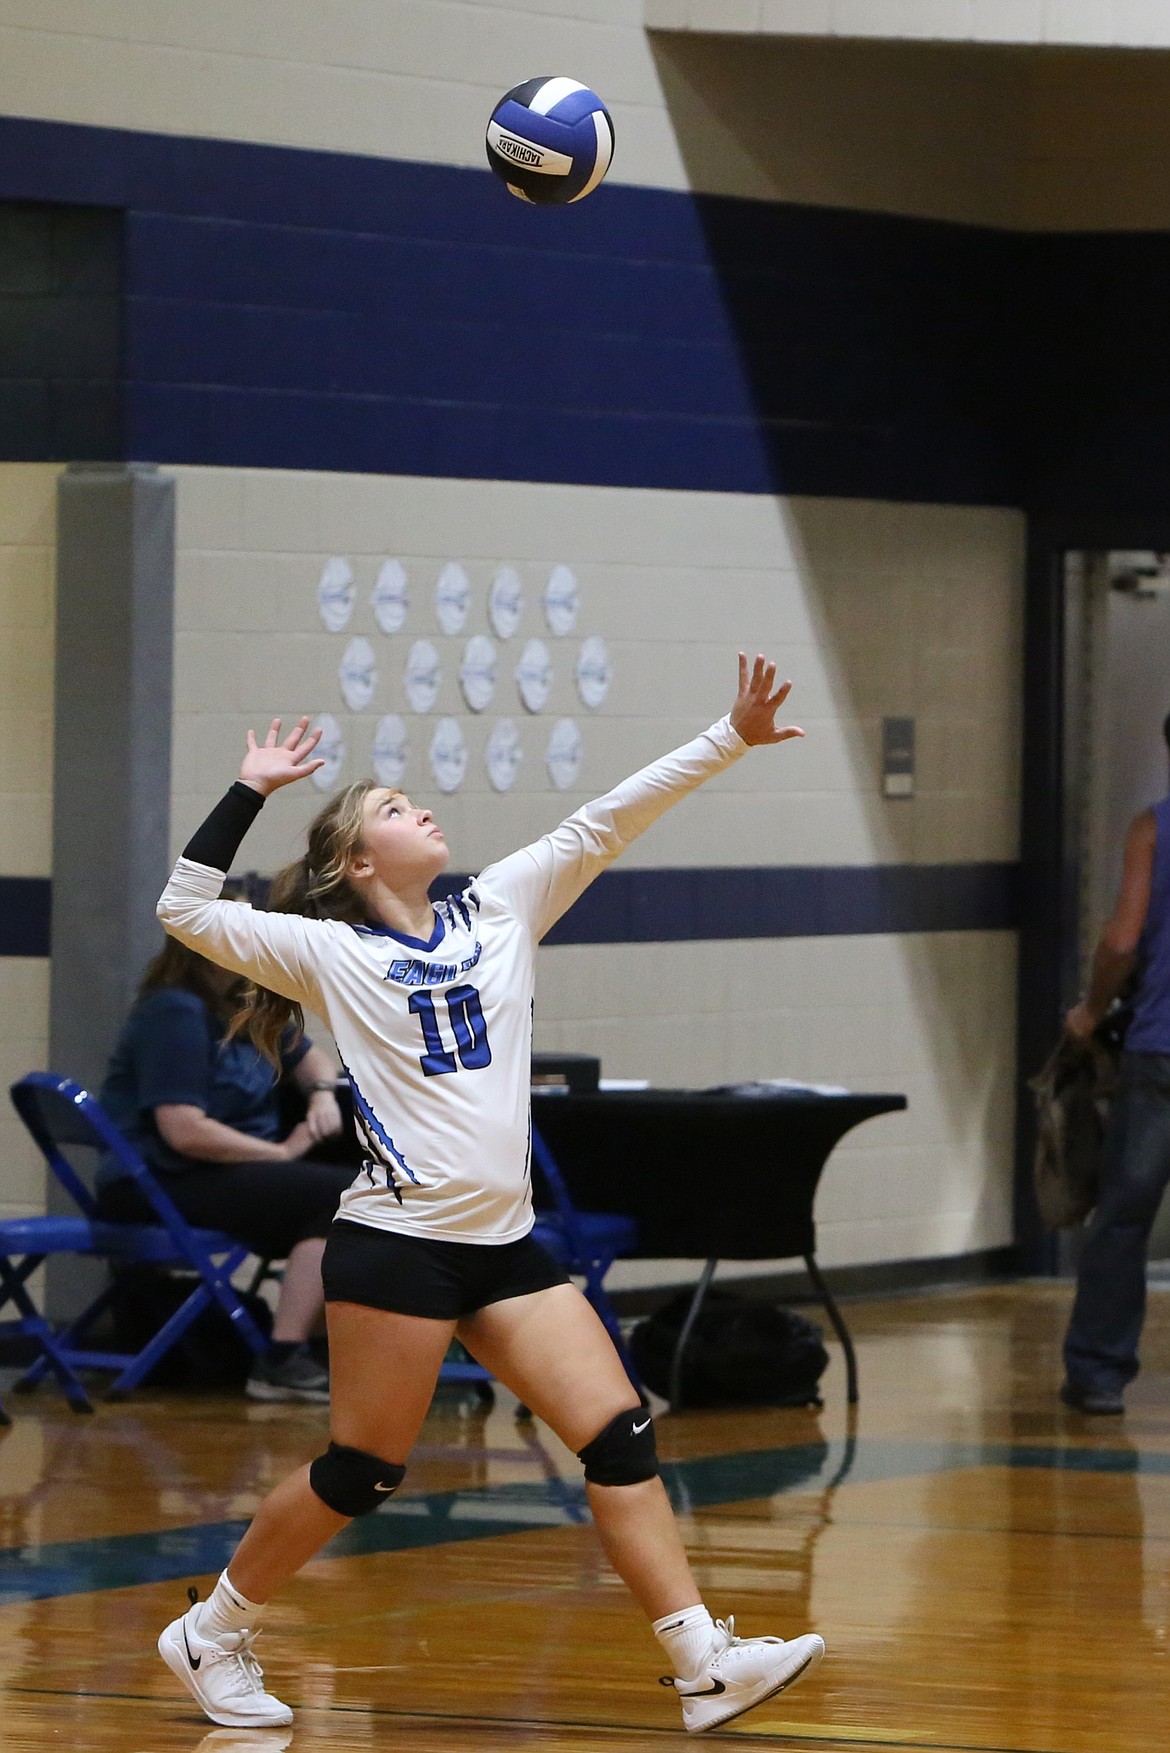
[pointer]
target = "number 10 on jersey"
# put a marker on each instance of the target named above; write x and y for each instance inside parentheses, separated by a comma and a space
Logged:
(465, 1015)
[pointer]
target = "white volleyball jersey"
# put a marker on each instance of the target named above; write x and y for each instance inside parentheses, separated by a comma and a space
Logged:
(436, 1036)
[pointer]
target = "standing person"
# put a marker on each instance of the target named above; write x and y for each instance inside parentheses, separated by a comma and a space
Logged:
(431, 1008)
(1101, 1345)
(200, 1105)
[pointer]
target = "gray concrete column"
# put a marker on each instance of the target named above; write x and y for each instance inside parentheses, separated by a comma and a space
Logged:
(112, 754)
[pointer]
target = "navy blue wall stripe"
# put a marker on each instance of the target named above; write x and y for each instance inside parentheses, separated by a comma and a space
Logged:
(677, 906)
(680, 905)
(24, 916)
(286, 308)
(323, 310)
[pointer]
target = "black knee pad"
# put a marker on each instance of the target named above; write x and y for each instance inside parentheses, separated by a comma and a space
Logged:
(624, 1453)
(353, 1483)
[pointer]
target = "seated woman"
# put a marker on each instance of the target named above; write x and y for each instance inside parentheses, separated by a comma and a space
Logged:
(201, 1108)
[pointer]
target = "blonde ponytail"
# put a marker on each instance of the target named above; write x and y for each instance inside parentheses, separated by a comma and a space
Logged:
(317, 887)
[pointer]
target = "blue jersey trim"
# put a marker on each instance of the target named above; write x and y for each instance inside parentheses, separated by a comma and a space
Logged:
(413, 943)
(376, 1128)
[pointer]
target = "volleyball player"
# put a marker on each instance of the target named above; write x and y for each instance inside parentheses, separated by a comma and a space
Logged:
(431, 1008)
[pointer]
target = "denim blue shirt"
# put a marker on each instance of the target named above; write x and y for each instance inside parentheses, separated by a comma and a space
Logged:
(172, 1050)
(1149, 1032)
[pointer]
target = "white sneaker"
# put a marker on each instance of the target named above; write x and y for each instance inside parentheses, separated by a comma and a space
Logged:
(742, 1672)
(221, 1674)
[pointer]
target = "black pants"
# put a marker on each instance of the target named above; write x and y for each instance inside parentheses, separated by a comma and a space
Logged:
(270, 1207)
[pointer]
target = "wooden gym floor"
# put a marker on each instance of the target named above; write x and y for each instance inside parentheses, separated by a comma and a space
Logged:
(989, 1571)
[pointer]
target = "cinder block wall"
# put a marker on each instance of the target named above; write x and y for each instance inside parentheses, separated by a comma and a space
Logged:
(872, 609)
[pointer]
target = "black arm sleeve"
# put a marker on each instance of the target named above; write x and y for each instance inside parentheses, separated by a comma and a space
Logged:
(218, 840)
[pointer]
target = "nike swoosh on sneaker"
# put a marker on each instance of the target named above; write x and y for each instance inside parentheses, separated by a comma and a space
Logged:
(712, 1691)
(639, 1428)
(194, 1660)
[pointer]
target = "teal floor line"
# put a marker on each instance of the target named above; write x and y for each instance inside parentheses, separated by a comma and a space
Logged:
(75, 1567)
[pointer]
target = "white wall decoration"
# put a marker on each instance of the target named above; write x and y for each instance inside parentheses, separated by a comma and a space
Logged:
(390, 599)
(357, 674)
(335, 594)
(503, 755)
(534, 675)
(593, 672)
(390, 751)
(563, 755)
(331, 750)
(560, 601)
(477, 672)
(422, 676)
(505, 602)
(452, 598)
(448, 755)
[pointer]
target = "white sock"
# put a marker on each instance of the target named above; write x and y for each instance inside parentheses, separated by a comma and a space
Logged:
(686, 1636)
(225, 1609)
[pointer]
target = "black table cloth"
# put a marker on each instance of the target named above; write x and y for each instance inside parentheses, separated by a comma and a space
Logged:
(707, 1174)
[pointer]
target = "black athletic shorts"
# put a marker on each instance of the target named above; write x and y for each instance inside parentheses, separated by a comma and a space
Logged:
(416, 1275)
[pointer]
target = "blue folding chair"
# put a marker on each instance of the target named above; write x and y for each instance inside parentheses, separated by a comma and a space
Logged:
(59, 1113)
(586, 1243)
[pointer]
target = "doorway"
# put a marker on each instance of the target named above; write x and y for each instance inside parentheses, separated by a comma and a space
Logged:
(1117, 696)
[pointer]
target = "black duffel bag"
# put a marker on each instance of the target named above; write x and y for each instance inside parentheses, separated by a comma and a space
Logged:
(741, 1352)
(210, 1354)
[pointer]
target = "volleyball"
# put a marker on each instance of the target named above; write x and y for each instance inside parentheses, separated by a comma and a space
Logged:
(550, 140)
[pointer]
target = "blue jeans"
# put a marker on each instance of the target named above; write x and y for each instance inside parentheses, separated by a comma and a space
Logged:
(1101, 1345)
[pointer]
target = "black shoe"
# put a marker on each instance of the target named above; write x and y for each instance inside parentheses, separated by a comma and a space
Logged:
(1097, 1402)
(298, 1377)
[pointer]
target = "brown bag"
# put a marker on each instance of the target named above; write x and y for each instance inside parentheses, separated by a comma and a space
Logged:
(1073, 1091)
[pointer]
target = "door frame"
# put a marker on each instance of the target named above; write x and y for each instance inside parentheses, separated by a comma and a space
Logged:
(1048, 888)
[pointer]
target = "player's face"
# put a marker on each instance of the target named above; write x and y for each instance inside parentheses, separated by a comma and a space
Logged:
(401, 842)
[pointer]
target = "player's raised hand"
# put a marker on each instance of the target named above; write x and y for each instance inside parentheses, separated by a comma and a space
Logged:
(273, 763)
(756, 706)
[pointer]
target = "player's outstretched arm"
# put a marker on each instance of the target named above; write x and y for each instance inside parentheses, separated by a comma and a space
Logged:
(541, 881)
(275, 950)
